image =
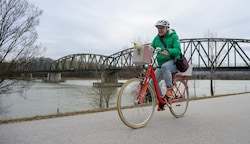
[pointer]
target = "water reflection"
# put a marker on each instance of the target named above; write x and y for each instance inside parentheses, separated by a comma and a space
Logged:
(48, 98)
(79, 95)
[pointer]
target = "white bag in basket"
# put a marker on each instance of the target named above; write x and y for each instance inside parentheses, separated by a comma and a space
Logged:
(142, 55)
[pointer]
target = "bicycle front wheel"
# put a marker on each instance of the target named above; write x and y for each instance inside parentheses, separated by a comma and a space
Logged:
(180, 91)
(131, 113)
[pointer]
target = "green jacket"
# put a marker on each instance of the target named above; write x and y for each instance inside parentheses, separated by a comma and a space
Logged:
(172, 42)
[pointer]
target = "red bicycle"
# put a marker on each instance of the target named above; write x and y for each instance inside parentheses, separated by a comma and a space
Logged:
(137, 98)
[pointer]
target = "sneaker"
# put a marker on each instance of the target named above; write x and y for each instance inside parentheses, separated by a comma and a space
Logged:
(160, 107)
(168, 98)
(169, 92)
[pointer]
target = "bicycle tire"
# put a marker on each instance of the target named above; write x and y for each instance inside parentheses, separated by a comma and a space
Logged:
(131, 114)
(179, 108)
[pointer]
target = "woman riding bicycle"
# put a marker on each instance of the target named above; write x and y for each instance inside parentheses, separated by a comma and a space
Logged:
(168, 41)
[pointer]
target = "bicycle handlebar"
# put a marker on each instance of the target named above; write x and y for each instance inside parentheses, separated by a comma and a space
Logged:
(155, 50)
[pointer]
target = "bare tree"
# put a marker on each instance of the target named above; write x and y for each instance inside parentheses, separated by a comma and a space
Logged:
(105, 94)
(18, 20)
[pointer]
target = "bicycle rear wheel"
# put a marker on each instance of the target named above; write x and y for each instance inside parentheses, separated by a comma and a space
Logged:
(132, 114)
(181, 94)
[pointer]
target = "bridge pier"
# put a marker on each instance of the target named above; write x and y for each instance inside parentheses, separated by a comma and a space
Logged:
(108, 79)
(27, 76)
(111, 77)
(54, 77)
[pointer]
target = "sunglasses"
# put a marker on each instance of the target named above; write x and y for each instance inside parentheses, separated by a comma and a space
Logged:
(161, 27)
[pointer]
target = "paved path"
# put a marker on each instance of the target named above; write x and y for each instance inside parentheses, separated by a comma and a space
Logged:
(224, 120)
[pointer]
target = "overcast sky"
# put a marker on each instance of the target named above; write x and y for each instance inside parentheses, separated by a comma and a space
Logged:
(108, 26)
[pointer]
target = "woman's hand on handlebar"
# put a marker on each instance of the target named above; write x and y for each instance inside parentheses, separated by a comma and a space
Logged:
(165, 52)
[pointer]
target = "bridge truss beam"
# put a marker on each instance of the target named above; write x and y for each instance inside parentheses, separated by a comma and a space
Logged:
(202, 53)
(217, 52)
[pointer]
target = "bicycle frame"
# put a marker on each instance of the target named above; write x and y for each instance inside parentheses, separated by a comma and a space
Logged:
(143, 86)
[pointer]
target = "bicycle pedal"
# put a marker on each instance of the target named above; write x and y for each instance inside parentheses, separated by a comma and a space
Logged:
(160, 107)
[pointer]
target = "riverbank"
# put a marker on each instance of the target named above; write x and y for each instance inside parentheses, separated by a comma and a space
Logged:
(92, 111)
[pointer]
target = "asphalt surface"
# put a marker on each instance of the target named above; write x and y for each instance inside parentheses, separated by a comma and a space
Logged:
(224, 120)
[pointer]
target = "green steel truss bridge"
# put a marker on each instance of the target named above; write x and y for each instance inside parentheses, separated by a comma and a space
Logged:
(203, 53)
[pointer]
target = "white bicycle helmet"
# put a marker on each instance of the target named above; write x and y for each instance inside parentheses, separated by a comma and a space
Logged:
(162, 23)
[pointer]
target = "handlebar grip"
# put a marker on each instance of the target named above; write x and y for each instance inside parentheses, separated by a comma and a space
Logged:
(157, 49)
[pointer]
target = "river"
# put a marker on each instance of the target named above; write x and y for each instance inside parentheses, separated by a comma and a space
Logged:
(78, 95)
